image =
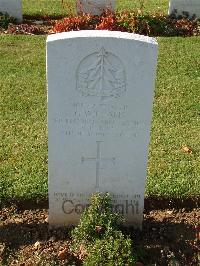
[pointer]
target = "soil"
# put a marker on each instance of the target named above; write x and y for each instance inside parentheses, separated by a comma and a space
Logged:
(169, 237)
(31, 26)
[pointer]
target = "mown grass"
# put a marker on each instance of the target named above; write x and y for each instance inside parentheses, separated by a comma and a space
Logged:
(47, 7)
(60, 8)
(23, 117)
(146, 5)
(176, 120)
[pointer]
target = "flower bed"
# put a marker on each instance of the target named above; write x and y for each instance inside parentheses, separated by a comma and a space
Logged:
(130, 21)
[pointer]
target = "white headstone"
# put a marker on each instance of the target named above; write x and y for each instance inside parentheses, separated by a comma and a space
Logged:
(100, 95)
(12, 7)
(182, 7)
(95, 7)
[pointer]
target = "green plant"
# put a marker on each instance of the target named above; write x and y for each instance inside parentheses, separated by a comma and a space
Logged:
(5, 19)
(115, 250)
(97, 239)
(155, 24)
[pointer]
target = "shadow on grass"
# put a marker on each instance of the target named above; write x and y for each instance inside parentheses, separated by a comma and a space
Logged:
(162, 203)
(40, 16)
(150, 203)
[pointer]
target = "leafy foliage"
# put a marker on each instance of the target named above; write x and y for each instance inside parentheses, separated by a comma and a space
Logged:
(131, 21)
(97, 239)
(5, 19)
(114, 251)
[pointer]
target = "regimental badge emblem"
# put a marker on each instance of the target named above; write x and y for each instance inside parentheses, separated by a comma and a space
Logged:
(101, 74)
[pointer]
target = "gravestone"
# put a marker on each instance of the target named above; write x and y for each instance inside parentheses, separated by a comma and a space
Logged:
(100, 95)
(12, 7)
(95, 7)
(184, 8)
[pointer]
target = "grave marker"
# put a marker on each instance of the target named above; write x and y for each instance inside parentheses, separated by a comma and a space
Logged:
(184, 7)
(95, 7)
(12, 7)
(100, 95)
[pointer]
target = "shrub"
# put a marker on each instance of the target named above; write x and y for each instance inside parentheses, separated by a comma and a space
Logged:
(112, 251)
(130, 21)
(5, 19)
(97, 240)
(74, 23)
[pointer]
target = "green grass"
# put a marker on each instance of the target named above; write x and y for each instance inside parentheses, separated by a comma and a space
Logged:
(148, 5)
(23, 122)
(48, 7)
(56, 8)
(176, 120)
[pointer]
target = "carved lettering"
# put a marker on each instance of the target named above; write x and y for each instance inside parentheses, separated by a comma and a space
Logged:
(132, 207)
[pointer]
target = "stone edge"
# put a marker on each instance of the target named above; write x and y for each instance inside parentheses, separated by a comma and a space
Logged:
(101, 34)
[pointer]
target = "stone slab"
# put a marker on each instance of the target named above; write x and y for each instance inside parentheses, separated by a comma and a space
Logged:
(12, 7)
(192, 7)
(100, 96)
(95, 7)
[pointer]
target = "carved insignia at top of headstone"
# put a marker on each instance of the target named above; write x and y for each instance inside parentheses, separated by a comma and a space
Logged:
(101, 74)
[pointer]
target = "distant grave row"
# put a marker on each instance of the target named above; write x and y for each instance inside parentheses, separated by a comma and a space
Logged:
(176, 7)
(190, 8)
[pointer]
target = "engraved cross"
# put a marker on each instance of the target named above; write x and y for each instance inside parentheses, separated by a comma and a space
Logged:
(98, 159)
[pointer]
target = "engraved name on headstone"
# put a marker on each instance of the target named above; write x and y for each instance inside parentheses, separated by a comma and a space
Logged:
(12, 7)
(95, 7)
(100, 95)
(189, 8)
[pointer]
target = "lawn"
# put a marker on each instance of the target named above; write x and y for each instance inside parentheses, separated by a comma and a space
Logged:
(60, 8)
(176, 120)
(24, 145)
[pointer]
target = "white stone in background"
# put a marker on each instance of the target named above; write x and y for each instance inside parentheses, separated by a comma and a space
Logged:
(190, 6)
(95, 7)
(12, 7)
(100, 95)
